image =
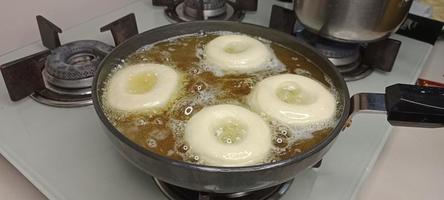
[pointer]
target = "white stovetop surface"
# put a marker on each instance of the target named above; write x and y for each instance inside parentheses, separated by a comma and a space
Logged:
(66, 155)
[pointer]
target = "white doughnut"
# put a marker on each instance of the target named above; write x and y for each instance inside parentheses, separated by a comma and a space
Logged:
(228, 135)
(293, 99)
(142, 87)
(237, 54)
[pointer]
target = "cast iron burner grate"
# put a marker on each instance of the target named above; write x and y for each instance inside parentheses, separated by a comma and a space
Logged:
(353, 60)
(68, 73)
(191, 10)
(62, 76)
(178, 193)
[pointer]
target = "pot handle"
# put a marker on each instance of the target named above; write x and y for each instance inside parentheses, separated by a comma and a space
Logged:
(405, 105)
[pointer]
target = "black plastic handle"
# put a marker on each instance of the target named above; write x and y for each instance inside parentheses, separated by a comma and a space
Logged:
(415, 106)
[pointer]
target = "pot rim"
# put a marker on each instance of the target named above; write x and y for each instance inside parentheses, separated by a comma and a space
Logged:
(265, 166)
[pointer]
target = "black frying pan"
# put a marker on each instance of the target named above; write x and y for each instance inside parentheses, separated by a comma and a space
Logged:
(237, 179)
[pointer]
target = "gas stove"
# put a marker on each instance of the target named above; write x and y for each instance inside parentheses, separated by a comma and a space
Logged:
(66, 155)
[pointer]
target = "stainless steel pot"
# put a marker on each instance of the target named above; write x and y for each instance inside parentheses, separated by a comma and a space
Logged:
(352, 20)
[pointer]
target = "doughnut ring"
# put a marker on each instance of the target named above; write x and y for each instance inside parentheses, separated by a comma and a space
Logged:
(228, 135)
(237, 54)
(293, 99)
(142, 87)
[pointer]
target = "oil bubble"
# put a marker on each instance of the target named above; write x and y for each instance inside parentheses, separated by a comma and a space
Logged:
(140, 122)
(194, 70)
(159, 133)
(158, 121)
(152, 143)
(284, 132)
(198, 86)
(188, 110)
(300, 71)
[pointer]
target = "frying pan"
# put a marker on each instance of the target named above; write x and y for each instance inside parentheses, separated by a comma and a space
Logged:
(250, 178)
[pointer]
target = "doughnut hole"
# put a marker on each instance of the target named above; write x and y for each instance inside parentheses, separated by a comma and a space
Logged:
(230, 131)
(141, 83)
(236, 47)
(291, 93)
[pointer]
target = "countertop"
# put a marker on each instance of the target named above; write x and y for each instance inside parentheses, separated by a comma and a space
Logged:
(410, 167)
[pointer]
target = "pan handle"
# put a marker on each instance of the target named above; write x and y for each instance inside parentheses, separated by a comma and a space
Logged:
(405, 105)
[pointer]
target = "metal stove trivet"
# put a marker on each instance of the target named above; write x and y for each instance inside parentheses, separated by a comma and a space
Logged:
(177, 193)
(190, 10)
(68, 73)
(354, 61)
(62, 76)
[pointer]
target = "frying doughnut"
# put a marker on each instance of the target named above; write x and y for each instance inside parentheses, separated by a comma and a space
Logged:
(228, 135)
(293, 99)
(237, 54)
(142, 87)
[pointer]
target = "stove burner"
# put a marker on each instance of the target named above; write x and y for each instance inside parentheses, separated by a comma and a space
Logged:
(346, 57)
(62, 76)
(73, 65)
(211, 8)
(68, 73)
(355, 71)
(182, 13)
(339, 54)
(191, 10)
(178, 193)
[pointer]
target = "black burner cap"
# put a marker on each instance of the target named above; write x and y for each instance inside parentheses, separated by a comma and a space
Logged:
(76, 60)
